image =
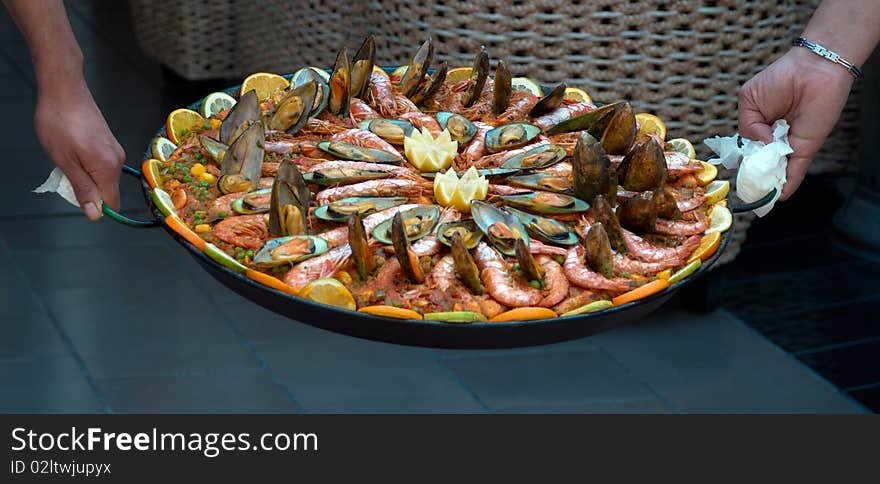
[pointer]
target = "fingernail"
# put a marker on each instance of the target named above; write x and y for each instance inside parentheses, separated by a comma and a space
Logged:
(91, 211)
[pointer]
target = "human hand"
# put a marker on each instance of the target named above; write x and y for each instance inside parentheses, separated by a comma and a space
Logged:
(807, 91)
(74, 133)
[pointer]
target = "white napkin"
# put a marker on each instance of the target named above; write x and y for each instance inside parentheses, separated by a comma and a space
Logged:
(58, 183)
(762, 167)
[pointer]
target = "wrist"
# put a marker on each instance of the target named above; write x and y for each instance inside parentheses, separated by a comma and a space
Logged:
(805, 60)
(59, 71)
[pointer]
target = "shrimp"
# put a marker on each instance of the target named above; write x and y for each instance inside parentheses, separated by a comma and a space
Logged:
(382, 94)
(476, 147)
(365, 139)
(555, 283)
(577, 297)
(578, 273)
(563, 113)
(563, 169)
(421, 120)
(321, 127)
(324, 265)
(299, 146)
(374, 188)
(497, 159)
(683, 227)
(359, 165)
(360, 111)
(521, 102)
(443, 274)
(339, 235)
(500, 283)
(505, 189)
(430, 244)
(222, 204)
(246, 231)
(648, 252)
(679, 164)
(269, 168)
(536, 247)
(404, 105)
(623, 263)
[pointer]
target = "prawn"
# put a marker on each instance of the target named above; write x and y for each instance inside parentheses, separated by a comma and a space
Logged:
(360, 111)
(476, 147)
(500, 283)
(521, 102)
(324, 265)
(421, 120)
(374, 188)
(382, 94)
(246, 231)
(555, 283)
(578, 273)
(365, 139)
(683, 227)
(648, 252)
(563, 113)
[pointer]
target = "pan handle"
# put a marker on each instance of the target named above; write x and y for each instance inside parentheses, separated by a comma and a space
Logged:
(747, 207)
(118, 217)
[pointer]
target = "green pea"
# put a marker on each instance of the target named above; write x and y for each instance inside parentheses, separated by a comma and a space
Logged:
(249, 253)
(187, 178)
(223, 214)
(559, 259)
(535, 284)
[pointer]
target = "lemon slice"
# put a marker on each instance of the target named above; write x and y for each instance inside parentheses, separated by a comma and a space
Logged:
(445, 186)
(265, 83)
(681, 145)
(650, 124)
(717, 191)
(162, 148)
(685, 271)
(458, 74)
(526, 84)
(708, 245)
(399, 72)
(180, 124)
(720, 219)
(329, 291)
(459, 193)
(427, 153)
(216, 102)
(577, 95)
(707, 174)
(589, 308)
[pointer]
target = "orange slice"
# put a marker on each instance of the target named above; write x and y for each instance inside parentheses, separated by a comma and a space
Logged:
(185, 232)
(641, 292)
(273, 282)
(708, 245)
(524, 314)
(390, 312)
(180, 124)
(265, 83)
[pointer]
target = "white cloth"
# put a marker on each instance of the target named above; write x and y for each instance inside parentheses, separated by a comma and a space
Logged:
(762, 167)
(58, 183)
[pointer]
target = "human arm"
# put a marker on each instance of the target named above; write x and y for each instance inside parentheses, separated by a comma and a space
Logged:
(68, 123)
(807, 90)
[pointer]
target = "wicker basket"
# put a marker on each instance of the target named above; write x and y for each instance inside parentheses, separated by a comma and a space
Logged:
(683, 60)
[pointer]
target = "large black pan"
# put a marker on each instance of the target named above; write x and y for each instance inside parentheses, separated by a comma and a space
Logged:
(422, 333)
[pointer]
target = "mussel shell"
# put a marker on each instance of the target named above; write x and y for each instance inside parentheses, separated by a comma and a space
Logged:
(288, 190)
(243, 160)
(545, 202)
(341, 210)
(509, 136)
(604, 214)
(487, 216)
(361, 256)
(409, 262)
(549, 102)
(537, 158)
(362, 67)
(437, 80)
(268, 256)
(591, 170)
(253, 202)
(667, 207)
(417, 69)
(348, 151)
(546, 229)
(638, 213)
(644, 167)
(464, 264)
(322, 94)
(340, 85)
(479, 74)
(391, 130)
(502, 88)
(293, 111)
(245, 111)
(419, 221)
(470, 233)
(542, 181)
(215, 149)
(598, 250)
(614, 125)
(527, 263)
(460, 128)
(234, 183)
(342, 176)
(593, 120)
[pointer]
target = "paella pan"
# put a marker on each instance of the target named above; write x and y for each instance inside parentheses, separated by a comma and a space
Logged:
(426, 205)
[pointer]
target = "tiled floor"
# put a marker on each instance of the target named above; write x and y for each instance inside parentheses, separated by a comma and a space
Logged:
(104, 318)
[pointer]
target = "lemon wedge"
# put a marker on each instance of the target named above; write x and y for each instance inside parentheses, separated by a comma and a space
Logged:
(459, 193)
(720, 219)
(429, 154)
(526, 84)
(716, 191)
(681, 145)
(329, 291)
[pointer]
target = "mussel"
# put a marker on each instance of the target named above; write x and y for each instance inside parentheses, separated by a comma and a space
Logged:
(591, 170)
(546, 229)
(541, 181)
(598, 249)
(479, 74)
(340, 85)
(245, 112)
(361, 256)
(254, 202)
(549, 102)
(362, 67)
(215, 149)
(603, 213)
(322, 94)
(502, 88)
(409, 261)
(464, 264)
(536, 158)
(667, 207)
(466, 229)
(418, 222)
(460, 128)
(348, 151)
(242, 163)
(417, 69)
(341, 210)
(545, 202)
(509, 136)
(391, 130)
(614, 125)
(644, 167)
(289, 250)
(501, 227)
(289, 206)
(638, 213)
(437, 80)
(293, 111)
(527, 263)
(342, 176)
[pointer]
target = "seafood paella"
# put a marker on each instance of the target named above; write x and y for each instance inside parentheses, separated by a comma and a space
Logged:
(427, 192)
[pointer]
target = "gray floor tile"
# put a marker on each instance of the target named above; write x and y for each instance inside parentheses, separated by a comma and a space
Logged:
(544, 380)
(79, 232)
(252, 392)
(50, 385)
(714, 363)
(259, 325)
(634, 405)
(25, 330)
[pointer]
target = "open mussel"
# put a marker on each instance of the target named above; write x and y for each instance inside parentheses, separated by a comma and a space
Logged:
(361, 256)
(362, 67)
(348, 151)
(543, 228)
(391, 130)
(430, 90)
(479, 74)
(409, 261)
(502, 228)
(667, 207)
(545, 202)
(638, 213)
(242, 163)
(509, 136)
(418, 222)
(215, 149)
(341, 210)
(245, 112)
(502, 88)
(644, 167)
(289, 206)
(293, 111)
(340, 85)
(549, 102)
(541, 181)
(527, 263)
(460, 128)
(289, 250)
(598, 250)
(254, 202)
(591, 170)
(614, 125)
(603, 213)
(536, 158)
(466, 229)
(417, 69)
(322, 94)
(342, 176)
(464, 263)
